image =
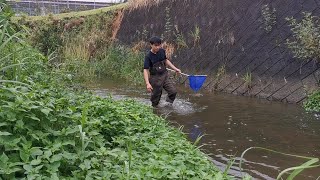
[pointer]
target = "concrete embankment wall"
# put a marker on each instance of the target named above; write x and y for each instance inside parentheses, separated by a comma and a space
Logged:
(242, 45)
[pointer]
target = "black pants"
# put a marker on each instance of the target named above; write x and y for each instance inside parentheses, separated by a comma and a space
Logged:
(159, 82)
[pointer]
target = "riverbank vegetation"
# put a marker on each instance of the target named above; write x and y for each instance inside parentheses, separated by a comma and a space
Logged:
(83, 44)
(51, 128)
(305, 45)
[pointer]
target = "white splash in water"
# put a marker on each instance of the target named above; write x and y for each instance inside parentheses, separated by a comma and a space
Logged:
(179, 106)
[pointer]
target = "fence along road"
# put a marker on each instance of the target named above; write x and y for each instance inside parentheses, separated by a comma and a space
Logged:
(43, 7)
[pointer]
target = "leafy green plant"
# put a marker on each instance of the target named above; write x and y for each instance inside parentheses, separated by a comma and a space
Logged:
(313, 102)
(195, 34)
(305, 43)
(269, 17)
(180, 41)
(53, 130)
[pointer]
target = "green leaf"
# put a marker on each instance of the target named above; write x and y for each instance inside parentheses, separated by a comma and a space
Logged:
(218, 175)
(82, 166)
(24, 155)
(56, 157)
(4, 158)
(189, 172)
(16, 164)
(69, 156)
(47, 154)
(56, 146)
(5, 133)
(54, 176)
(54, 167)
(20, 124)
(46, 111)
(27, 167)
(3, 124)
(36, 151)
(34, 117)
(38, 168)
(69, 142)
(87, 163)
(298, 169)
(72, 130)
(14, 82)
(15, 169)
(35, 162)
(11, 66)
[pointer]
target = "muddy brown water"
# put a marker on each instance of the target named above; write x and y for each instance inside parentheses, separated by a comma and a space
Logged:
(231, 124)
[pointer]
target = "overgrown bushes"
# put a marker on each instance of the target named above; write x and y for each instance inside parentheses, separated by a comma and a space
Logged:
(305, 45)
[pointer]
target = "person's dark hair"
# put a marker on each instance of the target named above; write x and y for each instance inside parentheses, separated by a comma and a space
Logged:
(155, 40)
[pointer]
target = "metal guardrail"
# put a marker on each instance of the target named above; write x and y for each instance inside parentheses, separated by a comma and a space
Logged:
(44, 7)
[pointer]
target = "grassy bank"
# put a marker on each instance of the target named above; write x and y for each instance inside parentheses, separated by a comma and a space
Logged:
(83, 43)
(51, 129)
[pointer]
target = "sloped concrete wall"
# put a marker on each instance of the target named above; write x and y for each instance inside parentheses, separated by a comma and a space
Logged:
(233, 39)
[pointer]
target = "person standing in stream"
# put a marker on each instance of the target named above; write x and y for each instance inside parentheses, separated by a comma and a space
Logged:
(156, 75)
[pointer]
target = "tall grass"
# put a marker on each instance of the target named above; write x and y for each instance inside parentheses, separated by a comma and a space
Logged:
(76, 59)
(121, 62)
(17, 59)
(134, 4)
(291, 172)
(76, 51)
(76, 14)
(78, 44)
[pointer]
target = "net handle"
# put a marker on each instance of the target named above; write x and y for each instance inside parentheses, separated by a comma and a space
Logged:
(175, 71)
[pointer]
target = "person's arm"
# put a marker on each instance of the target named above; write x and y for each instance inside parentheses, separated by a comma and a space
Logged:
(146, 79)
(146, 74)
(168, 63)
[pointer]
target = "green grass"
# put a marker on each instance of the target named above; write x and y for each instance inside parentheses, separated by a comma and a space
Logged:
(75, 14)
